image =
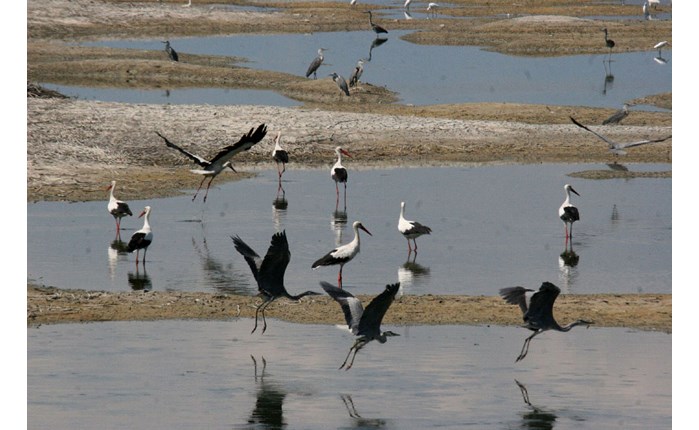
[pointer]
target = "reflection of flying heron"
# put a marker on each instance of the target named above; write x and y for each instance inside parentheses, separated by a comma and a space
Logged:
(269, 411)
(361, 423)
(313, 67)
(280, 155)
(269, 272)
(171, 53)
(340, 82)
(364, 323)
(537, 308)
(377, 28)
(210, 169)
(342, 254)
(536, 418)
(143, 237)
(411, 229)
(117, 208)
(356, 73)
(567, 212)
(618, 115)
(618, 148)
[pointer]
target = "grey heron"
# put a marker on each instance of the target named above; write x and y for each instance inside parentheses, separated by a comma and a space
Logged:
(117, 208)
(280, 155)
(142, 238)
(341, 83)
(171, 52)
(618, 115)
(567, 212)
(537, 308)
(313, 67)
(338, 173)
(269, 272)
(377, 28)
(411, 229)
(356, 73)
(210, 169)
(363, 323)
(342, 254)
(616, 147)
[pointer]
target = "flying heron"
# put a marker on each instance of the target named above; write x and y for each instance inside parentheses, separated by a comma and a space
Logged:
(269, 272)
(618, 148)
(364, 323)
(537, 308)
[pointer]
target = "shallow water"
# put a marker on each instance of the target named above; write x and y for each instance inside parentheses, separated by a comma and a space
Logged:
(197, 374)
(493, 226)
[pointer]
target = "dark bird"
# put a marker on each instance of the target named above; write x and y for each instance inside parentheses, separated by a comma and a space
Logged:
(313, 67)
(537, 308)
(269, 272)
(171, 52)
(567, 212)
(117, 208)
(280, 155)
(377, 28)
(338, 173)
(342, 254)
(411, 229)
(143, 237)
(222, 160)
(610, 43)
(617, 116)
(341, 83)
(615, 147)
(363, 323)
(356, 73)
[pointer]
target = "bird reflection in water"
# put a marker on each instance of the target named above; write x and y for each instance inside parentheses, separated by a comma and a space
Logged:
(140, 281)
(338, 224)
(411, 273)
(220, 276)
(608, 76)
(279, 206)
(375, 44)
(535, 418)
(118, 250)
(567, 264)
(359, 422)
(268, 410)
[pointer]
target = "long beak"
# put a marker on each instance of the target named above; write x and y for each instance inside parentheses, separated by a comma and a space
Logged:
(142, 213)
(571, 189)
(345, 153)
(362, 227)
(109, 187)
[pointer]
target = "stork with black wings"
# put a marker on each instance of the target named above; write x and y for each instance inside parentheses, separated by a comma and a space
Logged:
(210, 169)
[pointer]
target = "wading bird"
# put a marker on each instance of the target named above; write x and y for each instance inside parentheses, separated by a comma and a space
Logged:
(222, 160)
(364, 323)
(567, 212)
(341, 83)
(432, 7)
(610, 43)
(411, 229)
(280, 155)
(342, 254)
(356, 73)
(537, 308)
(618, 148)
(117, 208)
(269, 272)
(313, 67)
(171, 52)
(143, 237)
(338, 173)
(377, 28)
(617, 116)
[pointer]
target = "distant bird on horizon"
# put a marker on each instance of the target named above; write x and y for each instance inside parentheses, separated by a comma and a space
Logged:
(143, 237)
(363, 323)
(617, 116)
(619, 148)
(342, 254)
(567, 212)
(171, 53)
(117, 208)
(313, 67)
(341, 83)
(411, 229)
(537, 310)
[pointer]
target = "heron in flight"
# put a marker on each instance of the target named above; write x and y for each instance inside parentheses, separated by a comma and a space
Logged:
(269, 272)
(616, 147)
(363, 323)
(210, 169)
(537, 307)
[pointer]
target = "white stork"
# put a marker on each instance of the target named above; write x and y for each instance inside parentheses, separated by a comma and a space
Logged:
(567, 212)
(143, 237)
(338, 173)
(342, 254)
(411, 229)
(280, 155)
(117, 208)
(222, 160)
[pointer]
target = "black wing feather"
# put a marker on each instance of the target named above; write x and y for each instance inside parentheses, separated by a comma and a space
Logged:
(245, 143)
(375, 311)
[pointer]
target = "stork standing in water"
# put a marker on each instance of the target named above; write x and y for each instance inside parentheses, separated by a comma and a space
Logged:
(269, 272)
(363, 323)
(339, 174)
(313, 67)
(537, 307)
(143, 237)
(377, 28)
(343, 254)
(411, 229)
(567, 212)
(618, 148)
(117, 208)
(280, 156)
(222, 160)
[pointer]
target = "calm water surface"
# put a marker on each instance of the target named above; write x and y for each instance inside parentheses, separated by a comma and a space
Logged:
(493, 226)
(198, 374)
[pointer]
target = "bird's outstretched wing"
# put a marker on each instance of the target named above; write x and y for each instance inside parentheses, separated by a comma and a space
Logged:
(643, 142)
(351, 306)
(374, 312)
(609, 142)
(541, 304)
(246, 142)
(614, 145)
(275, 262)
(251, 257)
(516, 296)
(197, 159)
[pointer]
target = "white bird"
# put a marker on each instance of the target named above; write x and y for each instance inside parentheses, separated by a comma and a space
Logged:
(143, 237)
(432, 7)
(342, 254)
(363, 323)
(411, 229)
(338, 172)
(353, 2)
(406, 5)
(222, 160)
(189, 4)
(618, 115)
(280, 155)
(659, 46)
(117, 208)
(313, 67)
(356, 73)
(618, 148)
(567, 212)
